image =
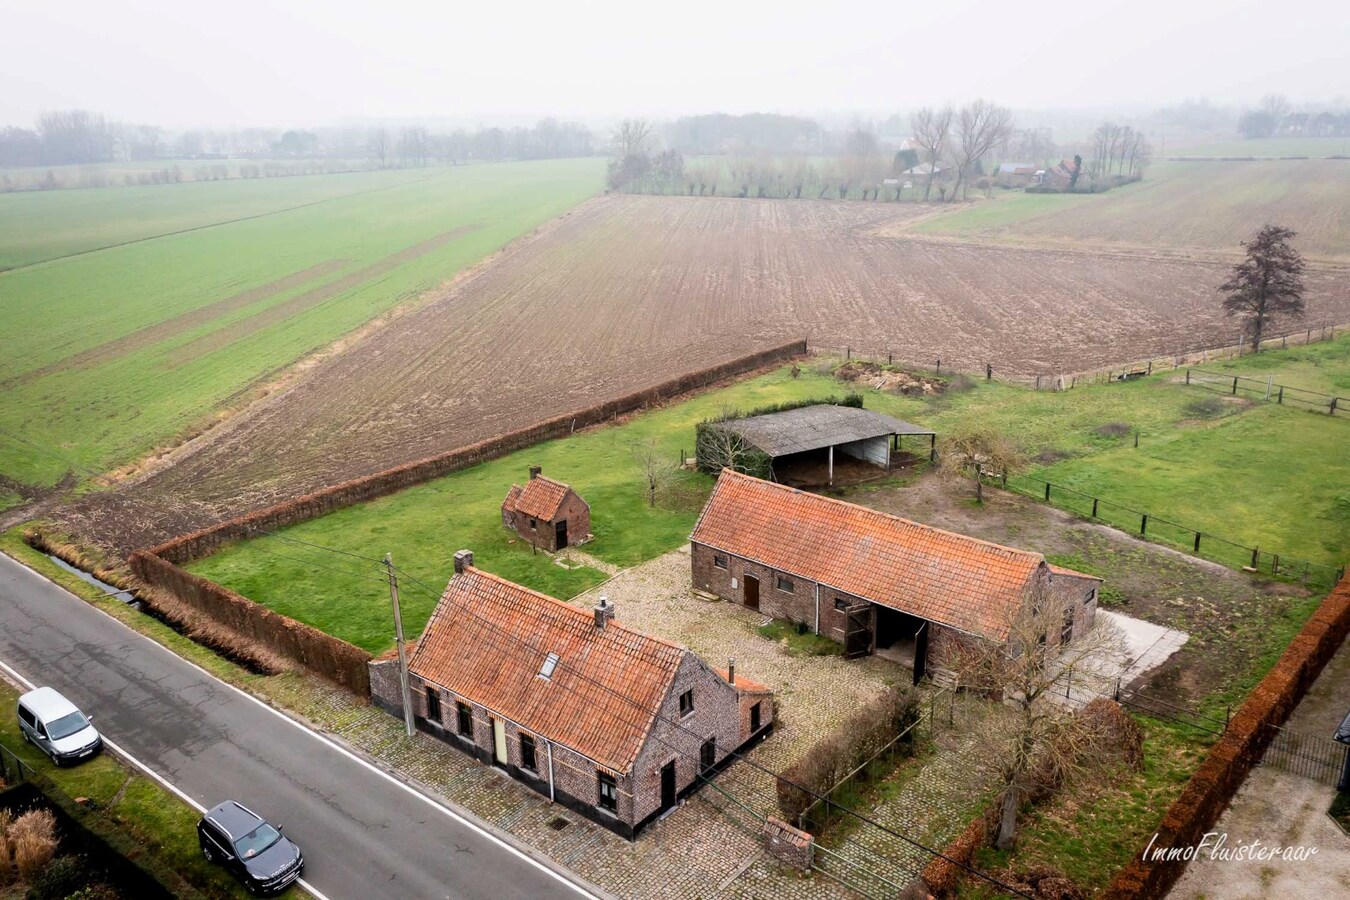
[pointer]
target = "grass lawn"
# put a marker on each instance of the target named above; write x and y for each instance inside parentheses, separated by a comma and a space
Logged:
(159, 823)
(1185, 471)
(107, 355)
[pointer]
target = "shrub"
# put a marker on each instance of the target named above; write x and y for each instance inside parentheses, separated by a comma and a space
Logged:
(65, 877)
(33, 837)
(1207, 408)
(6, 851)
(825, 763)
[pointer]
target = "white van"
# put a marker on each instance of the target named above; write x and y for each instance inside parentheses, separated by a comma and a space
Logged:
(56, 727)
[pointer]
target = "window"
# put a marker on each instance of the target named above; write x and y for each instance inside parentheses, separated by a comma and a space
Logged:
(783, 584)
(527, 753)
(1092, 595)
(719, 561)
(687, 702)
(27, 716)
(707, 754)
(465, 719)
(433, 705)
(754, 718)
(550, 663)
(840, 604)
(609, 792)
(533, 524)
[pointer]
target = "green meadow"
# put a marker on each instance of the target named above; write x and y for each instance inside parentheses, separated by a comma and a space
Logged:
(109, 354)
(1255, 473)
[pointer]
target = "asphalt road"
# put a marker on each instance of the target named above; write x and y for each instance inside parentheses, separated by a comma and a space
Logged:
(364, 835)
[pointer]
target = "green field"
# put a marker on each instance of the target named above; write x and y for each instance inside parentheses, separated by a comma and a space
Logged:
(1315, 146)
(1258, 474)
(110, 354)
(1179, 206)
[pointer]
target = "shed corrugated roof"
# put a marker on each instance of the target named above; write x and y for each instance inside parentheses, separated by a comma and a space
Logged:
(488, 638)
(952, 579)
(814, 427)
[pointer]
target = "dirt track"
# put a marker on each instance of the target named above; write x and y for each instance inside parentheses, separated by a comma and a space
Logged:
(627, 291)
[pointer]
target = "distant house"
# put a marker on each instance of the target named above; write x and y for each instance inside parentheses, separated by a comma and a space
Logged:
(875, 583)
(547, 513)
(922, 170)
(610, 722)
(1016, 173)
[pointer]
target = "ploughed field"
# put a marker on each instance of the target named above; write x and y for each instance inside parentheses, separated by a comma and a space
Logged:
(627, 291)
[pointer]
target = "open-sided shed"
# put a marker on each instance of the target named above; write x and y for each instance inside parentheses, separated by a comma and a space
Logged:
(806, 439)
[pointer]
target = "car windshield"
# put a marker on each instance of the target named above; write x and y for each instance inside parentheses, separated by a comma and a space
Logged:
(69, 724)
(256, 841)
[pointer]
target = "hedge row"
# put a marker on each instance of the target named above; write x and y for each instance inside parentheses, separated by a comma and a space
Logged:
(202, 543)
(295, 641)
(1213, 785)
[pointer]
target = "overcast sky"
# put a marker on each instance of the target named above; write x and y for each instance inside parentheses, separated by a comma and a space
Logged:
(313, 62)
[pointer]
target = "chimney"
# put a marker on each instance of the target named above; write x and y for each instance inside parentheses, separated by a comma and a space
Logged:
(603, 612)
(534, 471)
(463, 560)
(731, 671)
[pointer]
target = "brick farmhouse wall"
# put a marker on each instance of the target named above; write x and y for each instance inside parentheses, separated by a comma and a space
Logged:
(160, 567)
(717, 713)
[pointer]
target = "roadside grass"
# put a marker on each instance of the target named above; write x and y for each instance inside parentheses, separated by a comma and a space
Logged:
(1091, 829)
(118, 797)
(1265, 474)
(146, 395)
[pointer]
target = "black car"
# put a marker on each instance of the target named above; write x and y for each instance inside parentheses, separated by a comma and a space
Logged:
(257, 853)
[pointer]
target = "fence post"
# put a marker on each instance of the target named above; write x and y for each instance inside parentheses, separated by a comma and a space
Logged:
(988, 372)
(939, 366)
(1150, 367)
(1281, 397)
(848, 353)
(1197, 542)
(1094, 507)
(1235, 378)
(1188, 376)
(1270, 382)
(1038, 382)
(1047, 492)
(1136, 440)
(1275, 564)
(1332, 410)
(1143, 523)
(1256, 557)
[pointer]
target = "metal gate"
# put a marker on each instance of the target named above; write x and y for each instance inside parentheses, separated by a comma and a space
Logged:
(857, 631)
(1318, 758)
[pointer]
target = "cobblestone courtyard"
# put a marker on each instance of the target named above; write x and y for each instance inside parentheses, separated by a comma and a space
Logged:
(708, 847)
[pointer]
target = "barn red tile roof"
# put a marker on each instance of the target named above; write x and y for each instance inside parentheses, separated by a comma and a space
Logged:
(949, 578)
(488, 639)
(745, 685)
(538, 499)
(1060, 570)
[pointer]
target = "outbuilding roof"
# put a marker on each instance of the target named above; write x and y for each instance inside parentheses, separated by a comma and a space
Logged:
(814, 427)
(952, 579)
(489, 639)
(540, 498)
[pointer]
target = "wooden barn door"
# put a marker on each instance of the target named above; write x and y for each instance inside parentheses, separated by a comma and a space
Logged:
(561, 534)
(857, 631)
(752, 592)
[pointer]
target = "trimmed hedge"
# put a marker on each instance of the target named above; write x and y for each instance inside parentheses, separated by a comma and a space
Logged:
(1213, 785)
(754, 461)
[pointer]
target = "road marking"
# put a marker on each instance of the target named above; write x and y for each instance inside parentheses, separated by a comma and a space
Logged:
(430, 801)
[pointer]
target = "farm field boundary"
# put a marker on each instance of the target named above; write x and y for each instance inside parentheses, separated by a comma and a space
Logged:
(1213, 785)
(159, 568)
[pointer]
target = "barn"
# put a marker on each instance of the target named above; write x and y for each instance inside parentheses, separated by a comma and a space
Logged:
(823, 444)
(874, 582)
(547, 513)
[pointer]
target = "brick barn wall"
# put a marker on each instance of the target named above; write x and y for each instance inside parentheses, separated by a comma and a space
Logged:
(716, 714)
(578, 516)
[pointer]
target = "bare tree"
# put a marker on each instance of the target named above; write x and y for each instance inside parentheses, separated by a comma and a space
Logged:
(933, 133)
(975, 451)
(655, 465)
(1050, 648)
(721, 448)
(630, 138)
(981, 127)
(1268, 283)
(379, 145)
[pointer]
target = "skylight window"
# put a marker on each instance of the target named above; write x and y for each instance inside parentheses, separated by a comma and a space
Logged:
(550, 663)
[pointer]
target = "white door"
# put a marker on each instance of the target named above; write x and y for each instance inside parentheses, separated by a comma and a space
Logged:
(499, 741)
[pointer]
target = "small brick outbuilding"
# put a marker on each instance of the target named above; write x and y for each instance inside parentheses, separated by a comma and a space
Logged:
(608, 721)
(547, 513)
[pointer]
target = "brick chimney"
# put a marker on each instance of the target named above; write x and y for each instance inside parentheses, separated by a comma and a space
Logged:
(604, 611)
(463, 560)
(731, 671)
(535, 471)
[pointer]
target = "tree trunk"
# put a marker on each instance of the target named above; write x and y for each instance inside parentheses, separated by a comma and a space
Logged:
(1258, 325)
(1007, 821)
(979, 488)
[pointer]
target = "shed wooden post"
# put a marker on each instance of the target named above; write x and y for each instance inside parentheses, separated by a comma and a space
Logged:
(831, 474)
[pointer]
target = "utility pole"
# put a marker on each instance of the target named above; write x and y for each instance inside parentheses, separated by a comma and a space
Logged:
(398, 639)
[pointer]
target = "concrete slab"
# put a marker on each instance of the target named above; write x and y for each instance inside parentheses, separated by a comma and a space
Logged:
(1143, 646)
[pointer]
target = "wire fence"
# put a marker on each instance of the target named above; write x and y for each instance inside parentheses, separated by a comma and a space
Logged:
(1267, 390)
(1197, 542)
(1319, 758)
(949, 364)
(14, 770)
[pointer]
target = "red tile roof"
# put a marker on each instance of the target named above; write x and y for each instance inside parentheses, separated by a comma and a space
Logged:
(488, 638)
(955, 580)
(1060, 570)
(745, 685)
(538, 499)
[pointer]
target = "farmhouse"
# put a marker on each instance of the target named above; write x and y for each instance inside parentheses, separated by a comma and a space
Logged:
(798, 446)
(614, 724)
(547, 513)
(876, 583)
